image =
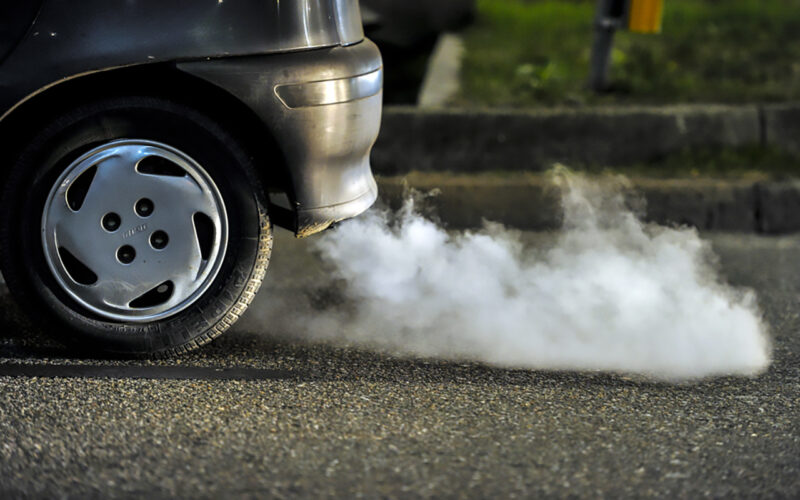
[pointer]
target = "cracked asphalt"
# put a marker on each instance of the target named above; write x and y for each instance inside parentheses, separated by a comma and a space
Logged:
(255, 415)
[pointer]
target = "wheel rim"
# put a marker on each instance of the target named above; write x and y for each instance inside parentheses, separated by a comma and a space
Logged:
(134, 230)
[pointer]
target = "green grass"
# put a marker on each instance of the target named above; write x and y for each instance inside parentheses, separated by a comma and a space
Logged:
(536, 53)
(717, 162)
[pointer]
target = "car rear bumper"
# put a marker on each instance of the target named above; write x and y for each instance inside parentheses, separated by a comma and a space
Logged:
(323, 108)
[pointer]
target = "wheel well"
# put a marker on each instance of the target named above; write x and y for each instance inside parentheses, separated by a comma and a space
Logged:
(154, 80)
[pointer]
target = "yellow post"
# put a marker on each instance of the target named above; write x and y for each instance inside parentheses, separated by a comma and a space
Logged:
(645, 16)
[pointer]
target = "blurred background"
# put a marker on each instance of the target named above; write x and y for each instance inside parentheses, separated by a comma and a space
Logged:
(684, 89)
(537, 52)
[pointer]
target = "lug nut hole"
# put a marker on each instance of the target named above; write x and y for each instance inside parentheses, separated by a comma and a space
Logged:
(126, 254)
(159, 240)
(111, 222)
(144, 207)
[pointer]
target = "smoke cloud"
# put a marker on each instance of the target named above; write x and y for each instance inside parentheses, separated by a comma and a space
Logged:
(607, 292)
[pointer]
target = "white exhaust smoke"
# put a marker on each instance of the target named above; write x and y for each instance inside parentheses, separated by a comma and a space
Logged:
(608, 293)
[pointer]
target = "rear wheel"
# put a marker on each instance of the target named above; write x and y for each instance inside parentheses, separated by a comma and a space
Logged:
(135, 226)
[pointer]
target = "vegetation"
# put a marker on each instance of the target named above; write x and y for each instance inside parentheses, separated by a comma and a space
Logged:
(742, 162)
(536, 53)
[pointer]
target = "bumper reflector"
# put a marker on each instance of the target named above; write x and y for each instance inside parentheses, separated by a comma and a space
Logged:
(300, 95)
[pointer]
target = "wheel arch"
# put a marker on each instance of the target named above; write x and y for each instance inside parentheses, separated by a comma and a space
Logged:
(154, 80)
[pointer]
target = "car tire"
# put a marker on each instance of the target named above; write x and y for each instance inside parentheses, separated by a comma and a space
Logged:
(197, 180)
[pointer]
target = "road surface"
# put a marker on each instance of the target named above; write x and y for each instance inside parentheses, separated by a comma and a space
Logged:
(253, 416)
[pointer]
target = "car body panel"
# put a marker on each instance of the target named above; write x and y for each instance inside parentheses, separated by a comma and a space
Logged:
(16, 17)
(71, 38)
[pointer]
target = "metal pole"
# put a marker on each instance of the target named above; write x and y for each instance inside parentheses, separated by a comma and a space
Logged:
(608, 18)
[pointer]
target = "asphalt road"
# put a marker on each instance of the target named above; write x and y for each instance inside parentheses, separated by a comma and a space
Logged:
(253, 415)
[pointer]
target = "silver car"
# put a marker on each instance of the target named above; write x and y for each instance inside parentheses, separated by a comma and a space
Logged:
(149, 146)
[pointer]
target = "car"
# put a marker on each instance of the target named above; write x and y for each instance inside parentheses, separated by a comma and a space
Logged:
(149, 146)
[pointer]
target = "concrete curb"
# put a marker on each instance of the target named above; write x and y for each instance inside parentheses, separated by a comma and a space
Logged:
(474, 141)
(442, 81)
(530, 201)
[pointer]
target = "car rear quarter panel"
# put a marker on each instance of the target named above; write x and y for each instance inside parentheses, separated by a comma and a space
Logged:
(70, 38)
(15, 19)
